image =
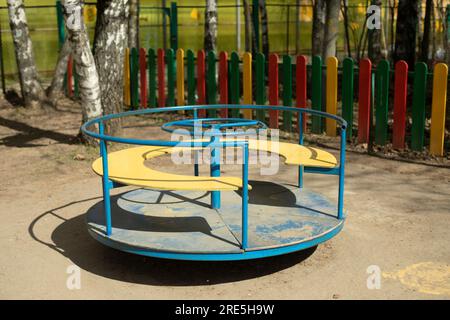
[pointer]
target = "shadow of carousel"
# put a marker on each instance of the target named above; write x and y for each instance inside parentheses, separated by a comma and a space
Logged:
(71, 239)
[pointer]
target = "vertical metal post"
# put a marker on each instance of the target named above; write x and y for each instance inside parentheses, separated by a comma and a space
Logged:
(287, 29)
(341, 173)
(300, 142)
(105, 180)
(164, 23)
(196, 172)
(245, 198)
(174, 26)
(60, 22)
(215, 170)
(238, 25)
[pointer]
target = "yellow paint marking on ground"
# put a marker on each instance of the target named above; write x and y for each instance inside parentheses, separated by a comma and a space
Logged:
(425, 277)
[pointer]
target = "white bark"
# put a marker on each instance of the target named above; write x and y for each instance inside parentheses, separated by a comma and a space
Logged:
(333, 7)
(109, 46)
(133, 24)
(84, 60)
(210, 25)
(57, 86)
(29, 81)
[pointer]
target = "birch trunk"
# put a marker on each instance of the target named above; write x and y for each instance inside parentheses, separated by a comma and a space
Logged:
(109, 47)
(57, 86)
(30, 86)
(133, 24)
(375, 39)
(318, 27)
(333, 7)
(84, 60)
(210, 25)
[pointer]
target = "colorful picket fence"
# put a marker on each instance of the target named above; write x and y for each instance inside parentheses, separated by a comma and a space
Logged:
(167, 78)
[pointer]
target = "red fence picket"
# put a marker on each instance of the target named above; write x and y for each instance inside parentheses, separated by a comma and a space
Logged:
(365, 79)
(143, 76)
(161, 79)
(201, 87)
(69, 76)
(400, 87)
(273, 90)
(223, 82)
(300, 73)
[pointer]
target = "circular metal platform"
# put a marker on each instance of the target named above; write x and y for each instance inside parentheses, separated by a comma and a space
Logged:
(181, 224)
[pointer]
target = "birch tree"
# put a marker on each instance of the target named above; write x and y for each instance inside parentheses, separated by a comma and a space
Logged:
(57, 86)
(318, 27)
(210, 37)
(109, 47)
(30, 86)
(84, 60)
(333, 7)
(133, 24)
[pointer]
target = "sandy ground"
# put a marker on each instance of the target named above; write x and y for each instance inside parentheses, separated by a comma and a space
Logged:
(398, 218)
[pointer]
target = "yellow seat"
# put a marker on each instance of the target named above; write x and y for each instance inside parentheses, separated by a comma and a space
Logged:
(127, 166)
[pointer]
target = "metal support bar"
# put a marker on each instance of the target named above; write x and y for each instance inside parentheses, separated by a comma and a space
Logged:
(341, 174)
(300, 142)
(244, 244)
(215, 171)
(332, 171)
(105, 180)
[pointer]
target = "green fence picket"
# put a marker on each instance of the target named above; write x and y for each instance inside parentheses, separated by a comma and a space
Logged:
(381, 102)
(211, 85)
(151, 63)
(418, 106)
(316, 98)
(234, 83)
(190, 66)
(171, 77)
(287, 91)
(260, 73)
(134, 82)
(347, 94)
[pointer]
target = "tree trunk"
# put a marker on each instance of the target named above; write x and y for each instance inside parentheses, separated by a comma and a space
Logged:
(346, 28)
(248, 26)
(210, 25)
(318, 27)
(57, 86)
(264, 28)
(30, 86)
(84, 60)
(133, 24)
(109, 47)
(405, 40)
(424, 52)
(375, 39)
(333, 7)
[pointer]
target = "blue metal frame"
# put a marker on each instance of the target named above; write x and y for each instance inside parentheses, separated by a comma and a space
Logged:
(215, 144)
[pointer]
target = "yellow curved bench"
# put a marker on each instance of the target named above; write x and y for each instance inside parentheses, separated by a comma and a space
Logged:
(127, 166)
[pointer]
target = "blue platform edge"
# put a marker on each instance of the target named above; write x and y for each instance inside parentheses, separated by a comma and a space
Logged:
(243, 255)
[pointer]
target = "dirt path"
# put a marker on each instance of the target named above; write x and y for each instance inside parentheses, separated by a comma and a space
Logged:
(398, 218)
